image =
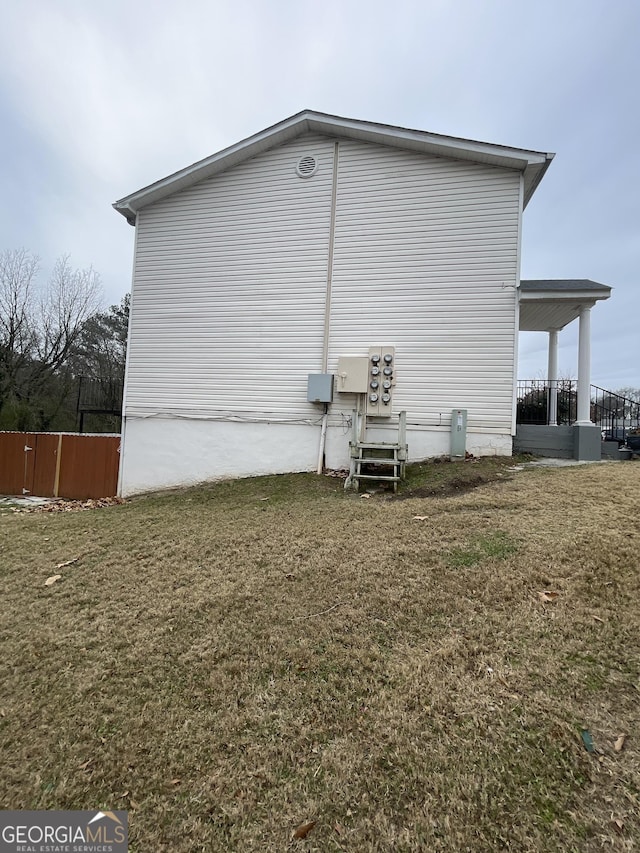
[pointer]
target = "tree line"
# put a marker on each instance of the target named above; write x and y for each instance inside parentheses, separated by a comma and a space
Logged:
(55, 338)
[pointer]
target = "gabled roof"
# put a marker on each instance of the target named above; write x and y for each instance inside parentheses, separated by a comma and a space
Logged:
(533, 164)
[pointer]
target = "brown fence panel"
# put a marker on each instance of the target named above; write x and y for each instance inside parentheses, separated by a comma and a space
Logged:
(45, 456)
(89, 466)
(16, 463)
(59, 465)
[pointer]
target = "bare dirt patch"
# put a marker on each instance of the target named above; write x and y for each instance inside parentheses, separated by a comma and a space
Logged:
(442, 478)
(454, 486)
(239, 663)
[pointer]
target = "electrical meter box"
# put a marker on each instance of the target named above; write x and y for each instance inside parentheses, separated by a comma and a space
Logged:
(320, 387)
(353, 374)
(381, 381)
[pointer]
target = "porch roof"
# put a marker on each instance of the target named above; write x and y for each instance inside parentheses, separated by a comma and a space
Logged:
(548, 305)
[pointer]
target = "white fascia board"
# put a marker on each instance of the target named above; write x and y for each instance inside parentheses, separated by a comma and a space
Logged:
(421, 140)
(231, 156)
(532, 163)
(584, 297)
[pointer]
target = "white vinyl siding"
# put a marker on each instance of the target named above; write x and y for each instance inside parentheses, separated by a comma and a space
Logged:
(426, 260)
(229, 290)
(230, 284)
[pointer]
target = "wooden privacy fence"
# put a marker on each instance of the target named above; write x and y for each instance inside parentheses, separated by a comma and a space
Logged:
(64, 465)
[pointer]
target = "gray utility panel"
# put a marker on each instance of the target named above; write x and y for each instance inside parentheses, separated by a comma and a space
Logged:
(458, 434)
(320, 388)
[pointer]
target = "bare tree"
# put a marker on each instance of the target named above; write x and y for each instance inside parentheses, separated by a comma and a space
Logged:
(631, 408)
(18, 269)
(630, 393)
(39, 326)
(63, 308)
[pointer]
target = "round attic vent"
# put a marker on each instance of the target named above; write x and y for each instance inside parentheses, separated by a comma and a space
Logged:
(306, 166)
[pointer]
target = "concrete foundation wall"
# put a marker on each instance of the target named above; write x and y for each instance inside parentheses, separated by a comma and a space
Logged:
(587, 443)
(166, 452)
(553, 441)
(560, 442)
(611, 450)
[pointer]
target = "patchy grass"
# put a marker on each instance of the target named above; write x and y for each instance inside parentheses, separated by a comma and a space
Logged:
(232, 661)
(496, 546)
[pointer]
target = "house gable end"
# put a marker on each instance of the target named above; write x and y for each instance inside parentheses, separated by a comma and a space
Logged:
(532, 164)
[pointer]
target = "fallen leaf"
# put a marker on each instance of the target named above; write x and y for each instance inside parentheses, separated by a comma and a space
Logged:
(618, 825)
(85, 764)
(619, 743)
(52, 580)
(338, 828)
(175, 781)
(67, 563)
(365, 495)
(303, 830)
(420, 517)
(547, 595)
(263, 499)
(598, 619)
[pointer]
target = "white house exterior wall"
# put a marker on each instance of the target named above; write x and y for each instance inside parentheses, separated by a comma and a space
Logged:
(228, 309)
(229, 290)
(426, 260)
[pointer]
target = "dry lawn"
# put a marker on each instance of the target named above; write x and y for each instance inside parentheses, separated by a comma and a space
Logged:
(231, 662)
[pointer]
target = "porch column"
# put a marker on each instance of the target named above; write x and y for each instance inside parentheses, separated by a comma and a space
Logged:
(552, 378)
(584, 368)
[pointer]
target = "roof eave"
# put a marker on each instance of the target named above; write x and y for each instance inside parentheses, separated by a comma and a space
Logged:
(228, 157)
(532, 163)
(562, 288)
(533, 174)
(585, 296)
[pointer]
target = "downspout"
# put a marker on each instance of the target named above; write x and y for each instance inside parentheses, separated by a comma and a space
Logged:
(327, 303)
(323, 438)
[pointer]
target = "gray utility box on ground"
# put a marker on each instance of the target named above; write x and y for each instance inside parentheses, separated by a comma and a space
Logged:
(458, 434)
(320, 388)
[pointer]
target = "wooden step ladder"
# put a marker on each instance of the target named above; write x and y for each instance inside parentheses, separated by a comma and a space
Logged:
(379, 461)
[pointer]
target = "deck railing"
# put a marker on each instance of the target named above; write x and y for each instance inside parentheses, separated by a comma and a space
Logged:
(614, 414)
(535, 401)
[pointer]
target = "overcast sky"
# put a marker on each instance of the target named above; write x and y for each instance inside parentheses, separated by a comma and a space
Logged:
(99, 98)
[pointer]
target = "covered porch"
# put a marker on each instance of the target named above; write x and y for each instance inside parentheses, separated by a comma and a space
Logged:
(549, 305)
